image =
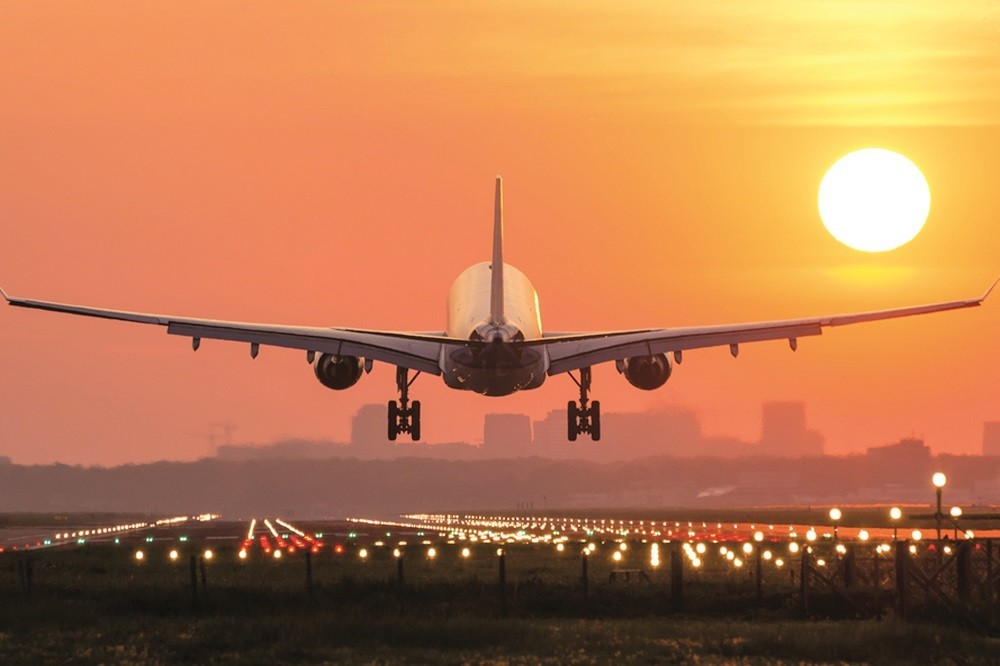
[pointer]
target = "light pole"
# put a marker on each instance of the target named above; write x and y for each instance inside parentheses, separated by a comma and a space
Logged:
(895, 513)
(938, 479)
(835, 516)
(956, 513)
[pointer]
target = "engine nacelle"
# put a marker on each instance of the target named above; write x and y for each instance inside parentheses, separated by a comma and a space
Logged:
(647, 372)
(339, 372)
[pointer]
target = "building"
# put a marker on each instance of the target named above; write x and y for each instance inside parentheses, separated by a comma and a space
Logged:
(506, 435)
(784, 432)
(991, 438)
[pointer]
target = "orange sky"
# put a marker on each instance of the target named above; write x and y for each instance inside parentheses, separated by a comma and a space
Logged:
(332, 164)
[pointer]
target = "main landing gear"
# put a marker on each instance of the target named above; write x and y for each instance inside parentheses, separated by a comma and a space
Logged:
(404, 416)
(580, 417)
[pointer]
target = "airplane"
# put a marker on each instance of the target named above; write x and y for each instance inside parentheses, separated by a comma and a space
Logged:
(493, 343)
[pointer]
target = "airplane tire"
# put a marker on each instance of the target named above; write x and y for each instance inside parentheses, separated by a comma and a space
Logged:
(595, 420)
(572, 418)
(415, 421)
(393, 420)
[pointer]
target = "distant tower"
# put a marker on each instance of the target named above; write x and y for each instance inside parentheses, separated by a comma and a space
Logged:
(506, 435)
(368, 428)
(991, 438)
(784, 431)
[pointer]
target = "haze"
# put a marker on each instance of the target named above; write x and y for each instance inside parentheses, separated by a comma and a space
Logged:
(332, 164)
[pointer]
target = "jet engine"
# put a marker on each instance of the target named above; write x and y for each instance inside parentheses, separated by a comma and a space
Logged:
(647, 372)
(338, 372)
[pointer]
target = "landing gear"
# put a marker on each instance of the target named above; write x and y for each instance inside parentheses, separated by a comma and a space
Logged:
(403, 415)
(580, 417)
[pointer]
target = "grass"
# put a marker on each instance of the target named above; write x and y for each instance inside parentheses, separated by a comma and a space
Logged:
(94, 603)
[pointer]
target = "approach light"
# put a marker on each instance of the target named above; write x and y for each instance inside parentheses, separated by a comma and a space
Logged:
(955, 511)
(174, 555)
(748, 548)
(939, 479)
(139, 555)
(811, 535)
(863, 535)
(917, 535)
(617, 556)
(208, 554)
(466, 553)
(835, 514)
(758, 536)
(243, 553)
(895, 513)
(277, 554)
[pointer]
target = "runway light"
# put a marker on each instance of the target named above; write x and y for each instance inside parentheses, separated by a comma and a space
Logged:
(955, 512)
(917, 535)
(560, 548)
(779, 563)
(939, 479)
(431, 553)
(277, 554)
(835, 514)
(895, 513)
(841, 548)
(969, 534)
(139, 555)
(396, 553)
(243, 554)
(863, 535)
(747, 548)
(363, 553)
(737, 563)
(821, 562)
(617, 557)
(700, 549)
(811, 535)
(623, 546)
(758, 536)
(696, 562)
(208, 554)
(767, 555)
(730, 556)
(793, 548)
(174, 555)
(466, 552)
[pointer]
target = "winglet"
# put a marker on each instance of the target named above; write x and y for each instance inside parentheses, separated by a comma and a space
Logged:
(988, 291)
(496, 288)
(4, 294)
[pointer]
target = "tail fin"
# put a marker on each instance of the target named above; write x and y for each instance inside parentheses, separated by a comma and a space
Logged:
(496, 289)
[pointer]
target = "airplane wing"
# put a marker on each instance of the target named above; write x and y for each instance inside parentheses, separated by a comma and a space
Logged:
(416, 351)
(568, 351)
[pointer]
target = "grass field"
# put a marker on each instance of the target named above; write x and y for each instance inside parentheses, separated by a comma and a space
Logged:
(96, 603)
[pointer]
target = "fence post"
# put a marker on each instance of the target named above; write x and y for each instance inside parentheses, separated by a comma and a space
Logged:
(194, 582)
(676, 572)
(804, 579)
(962, 561)
(503, 583)
(758, 582)
(849, 566)
(990, 585)
(309, 575)
(902, 564)
(204, 577)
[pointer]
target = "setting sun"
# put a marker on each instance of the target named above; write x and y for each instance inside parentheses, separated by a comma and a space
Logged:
(874, 200)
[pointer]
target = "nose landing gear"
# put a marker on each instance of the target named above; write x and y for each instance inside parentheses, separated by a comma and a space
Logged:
(581, 417)
(404, 417)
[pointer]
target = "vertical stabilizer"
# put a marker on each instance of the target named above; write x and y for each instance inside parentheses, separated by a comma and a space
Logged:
(496, 288)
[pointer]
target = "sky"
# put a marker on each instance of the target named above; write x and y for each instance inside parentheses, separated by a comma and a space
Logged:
(332, 164)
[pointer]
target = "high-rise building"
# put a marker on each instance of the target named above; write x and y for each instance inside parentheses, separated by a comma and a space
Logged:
(991, 438)
(784, 432)
(369, 436)
(506, 435)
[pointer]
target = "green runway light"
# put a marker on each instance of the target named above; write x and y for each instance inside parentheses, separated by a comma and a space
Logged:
(81, 540)
(352, 535)
(319, 535)
(184, 538)
(117, 540)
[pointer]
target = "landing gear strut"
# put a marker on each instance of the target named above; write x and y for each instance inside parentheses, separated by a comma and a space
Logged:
(582, 418)
(404, 416)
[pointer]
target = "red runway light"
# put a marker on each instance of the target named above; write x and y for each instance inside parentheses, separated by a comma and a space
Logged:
(338, 549)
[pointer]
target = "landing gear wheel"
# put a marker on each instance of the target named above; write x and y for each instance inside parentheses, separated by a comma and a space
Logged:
(572, 416)
(581, 418)
(415, 421)
(404, 417)
(393, 420)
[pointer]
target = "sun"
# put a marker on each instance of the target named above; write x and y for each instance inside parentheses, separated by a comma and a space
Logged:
(874, 200)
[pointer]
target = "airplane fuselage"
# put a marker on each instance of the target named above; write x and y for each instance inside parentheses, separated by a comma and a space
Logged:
(497, 369)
